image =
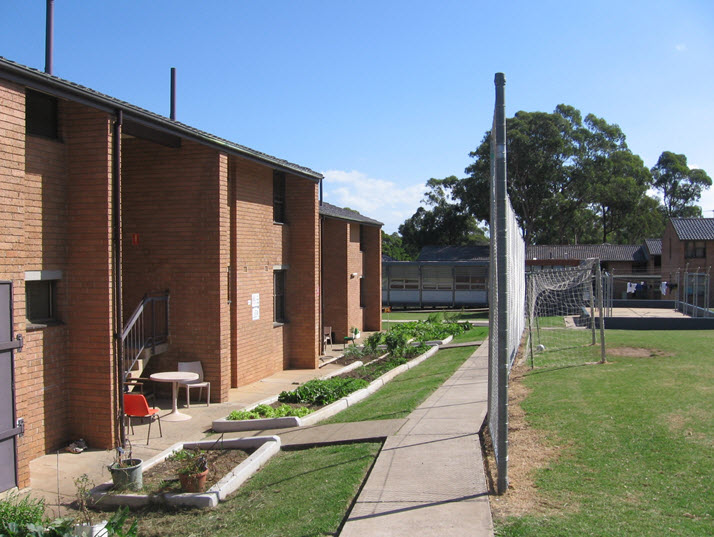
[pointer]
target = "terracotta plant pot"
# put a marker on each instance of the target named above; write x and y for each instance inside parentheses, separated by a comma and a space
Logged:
(193, 482)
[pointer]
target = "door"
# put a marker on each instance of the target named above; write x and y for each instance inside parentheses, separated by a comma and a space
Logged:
(8, 427)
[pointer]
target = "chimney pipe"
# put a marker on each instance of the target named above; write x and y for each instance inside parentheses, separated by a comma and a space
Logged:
(49, 36)
(173, 93)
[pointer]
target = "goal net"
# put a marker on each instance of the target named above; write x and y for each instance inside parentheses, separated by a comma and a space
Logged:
(564, 316)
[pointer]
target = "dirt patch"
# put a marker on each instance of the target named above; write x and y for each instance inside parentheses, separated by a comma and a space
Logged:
(636, 352)
(526, 454)
(163, 477)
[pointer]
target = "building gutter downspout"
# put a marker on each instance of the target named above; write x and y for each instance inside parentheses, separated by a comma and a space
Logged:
(117, 268)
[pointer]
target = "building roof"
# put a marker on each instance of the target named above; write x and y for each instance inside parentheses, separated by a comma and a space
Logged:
(653, 246)
(333, 211)
(604, 252)
(65, 89)
(454, 253)
(694, 229)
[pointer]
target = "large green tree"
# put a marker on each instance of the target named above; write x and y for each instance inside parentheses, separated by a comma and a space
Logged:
(393, 247)
(680, 187)
(570, 180)
(443, 223)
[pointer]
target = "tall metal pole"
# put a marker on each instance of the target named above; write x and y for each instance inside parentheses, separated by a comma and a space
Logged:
(502, 277)
(173, 94)
(49, 35)
(602, 316)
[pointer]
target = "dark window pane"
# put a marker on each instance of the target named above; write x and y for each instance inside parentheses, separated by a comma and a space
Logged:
(41, 115)
(39, 296)
(278, 196)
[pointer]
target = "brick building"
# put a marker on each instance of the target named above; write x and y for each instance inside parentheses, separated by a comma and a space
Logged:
(351, 271)
(688, 246)
(104, 203)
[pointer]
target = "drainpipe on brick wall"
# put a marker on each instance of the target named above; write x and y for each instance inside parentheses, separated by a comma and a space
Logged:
(117, 262)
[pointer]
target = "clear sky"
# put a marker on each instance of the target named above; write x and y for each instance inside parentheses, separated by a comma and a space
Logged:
(380, 96)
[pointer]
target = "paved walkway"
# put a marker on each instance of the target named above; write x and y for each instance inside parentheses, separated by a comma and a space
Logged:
(429, 478)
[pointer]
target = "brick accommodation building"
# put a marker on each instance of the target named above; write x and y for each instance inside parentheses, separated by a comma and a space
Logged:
(104, 203)
(351, 271)
(688, 246)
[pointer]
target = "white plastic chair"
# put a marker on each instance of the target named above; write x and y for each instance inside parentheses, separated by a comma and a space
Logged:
(194, 367)
(327, 335)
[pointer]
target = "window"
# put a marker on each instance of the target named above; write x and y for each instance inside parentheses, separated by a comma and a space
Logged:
(470, 279)
(278, 197)
(436, 278)
(40, 301)
(279, 296)
(362, 291)
(41, 115)
(694, 249)
(361, 238)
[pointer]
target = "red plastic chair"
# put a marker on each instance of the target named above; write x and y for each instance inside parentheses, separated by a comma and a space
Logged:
(136, 406)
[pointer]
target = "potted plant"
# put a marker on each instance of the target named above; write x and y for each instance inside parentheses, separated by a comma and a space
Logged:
(126, 471)
(193, 469)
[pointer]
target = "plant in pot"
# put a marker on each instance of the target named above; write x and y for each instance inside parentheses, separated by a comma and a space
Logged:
(126, 471)
(193, 469)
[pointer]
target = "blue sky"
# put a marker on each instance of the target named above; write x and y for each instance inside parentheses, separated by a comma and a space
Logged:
(380, 96)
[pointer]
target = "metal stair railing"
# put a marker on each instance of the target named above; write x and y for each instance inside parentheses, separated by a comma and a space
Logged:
(147, 327)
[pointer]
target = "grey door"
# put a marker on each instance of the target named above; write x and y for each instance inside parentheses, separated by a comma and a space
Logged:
(8, 428)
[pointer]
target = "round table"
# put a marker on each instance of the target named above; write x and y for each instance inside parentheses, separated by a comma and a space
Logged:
(174, 377)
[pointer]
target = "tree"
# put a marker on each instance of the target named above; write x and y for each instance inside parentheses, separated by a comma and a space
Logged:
(680, 187)
(445, 223)
(393, 247)
(570, 180)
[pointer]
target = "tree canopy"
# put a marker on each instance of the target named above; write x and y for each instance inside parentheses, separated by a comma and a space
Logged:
(571, 180)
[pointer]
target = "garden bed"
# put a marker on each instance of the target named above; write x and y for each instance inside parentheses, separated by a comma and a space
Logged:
(261, 449)
(355, 371)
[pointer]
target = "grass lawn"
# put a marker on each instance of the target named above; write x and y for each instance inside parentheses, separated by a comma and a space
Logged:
(635, 440)
(298, 493)
(308, 492)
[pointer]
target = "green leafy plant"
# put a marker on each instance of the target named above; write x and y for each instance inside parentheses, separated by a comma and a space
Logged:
(191, 461)
(266, 411)
(115, 525)
(323, 392)
(24, 516)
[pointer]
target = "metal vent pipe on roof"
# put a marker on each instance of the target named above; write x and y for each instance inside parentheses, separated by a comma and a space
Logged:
(173, 94)
(49, 36)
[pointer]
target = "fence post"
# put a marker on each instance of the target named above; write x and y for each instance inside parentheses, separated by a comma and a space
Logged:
(602, 316)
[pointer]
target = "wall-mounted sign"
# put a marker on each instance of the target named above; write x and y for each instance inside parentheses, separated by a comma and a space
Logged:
(255, 305)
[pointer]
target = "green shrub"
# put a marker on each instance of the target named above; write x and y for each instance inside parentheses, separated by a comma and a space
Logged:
(22, 510)
(266, 411)
(323, 392)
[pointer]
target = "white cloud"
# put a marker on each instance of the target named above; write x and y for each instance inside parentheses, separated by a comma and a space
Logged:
(680, 47)
(380, 199)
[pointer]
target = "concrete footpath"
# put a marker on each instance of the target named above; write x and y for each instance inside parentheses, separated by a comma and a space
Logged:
(429, 477)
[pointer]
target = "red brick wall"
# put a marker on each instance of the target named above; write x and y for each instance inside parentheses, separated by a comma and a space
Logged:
(372, 311)
(260, 347)
(354, 266)
(91, 399)
(175, 202)
(302, 285)
(334, 275)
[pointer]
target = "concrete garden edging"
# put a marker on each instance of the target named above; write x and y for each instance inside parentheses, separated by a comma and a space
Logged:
(224, 425)
(265, 446)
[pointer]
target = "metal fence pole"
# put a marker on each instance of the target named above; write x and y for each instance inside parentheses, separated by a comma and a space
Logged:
(602, 316)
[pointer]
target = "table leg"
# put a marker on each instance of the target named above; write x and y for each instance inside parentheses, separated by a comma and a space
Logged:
(175, 415)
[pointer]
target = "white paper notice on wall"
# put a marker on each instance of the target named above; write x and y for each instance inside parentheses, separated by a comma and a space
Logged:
(255, 302)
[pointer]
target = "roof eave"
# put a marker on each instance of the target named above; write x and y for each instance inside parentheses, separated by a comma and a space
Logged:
(59, 88)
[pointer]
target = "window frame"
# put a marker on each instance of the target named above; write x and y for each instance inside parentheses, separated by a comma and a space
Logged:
(41, 296)
(279, 183)
(279, 316)
(695, 249)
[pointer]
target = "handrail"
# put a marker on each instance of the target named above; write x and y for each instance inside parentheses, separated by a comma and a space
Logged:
(140, 333)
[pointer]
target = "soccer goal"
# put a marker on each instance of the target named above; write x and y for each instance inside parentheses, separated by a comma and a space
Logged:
(565, 316)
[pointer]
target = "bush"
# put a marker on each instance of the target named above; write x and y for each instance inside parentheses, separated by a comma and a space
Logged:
(266, 411)
(323, 392)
